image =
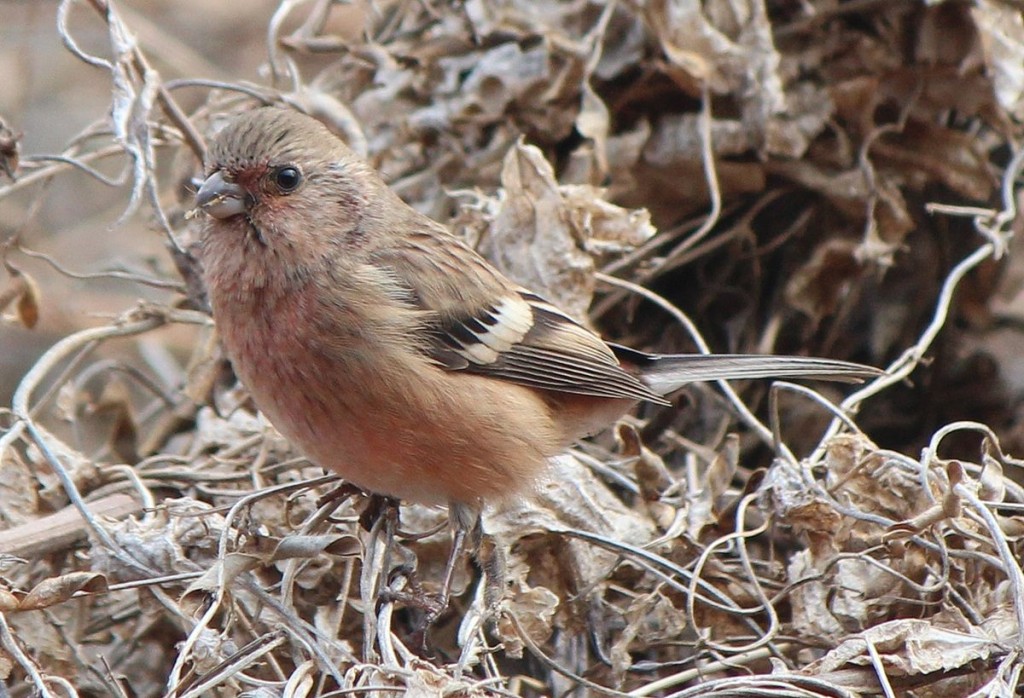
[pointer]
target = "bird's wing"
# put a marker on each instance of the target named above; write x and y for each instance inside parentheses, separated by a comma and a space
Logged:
(522, 338)
(479, 322)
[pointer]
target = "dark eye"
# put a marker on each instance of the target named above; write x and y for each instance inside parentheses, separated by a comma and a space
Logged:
(287, 179)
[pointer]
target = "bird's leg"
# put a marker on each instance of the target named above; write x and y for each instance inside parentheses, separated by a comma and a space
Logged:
(389, 510)
(382, 514)
(467, 527)
(380, 517)
(467, 534)
(492, 564)
(386, 510)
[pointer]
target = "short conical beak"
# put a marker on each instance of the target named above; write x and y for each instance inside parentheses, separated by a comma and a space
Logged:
(221, 198)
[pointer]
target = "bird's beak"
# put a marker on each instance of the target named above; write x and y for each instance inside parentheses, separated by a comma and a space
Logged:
(221, 198)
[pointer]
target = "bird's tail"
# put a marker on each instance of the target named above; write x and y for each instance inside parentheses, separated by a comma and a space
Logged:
(663, 373)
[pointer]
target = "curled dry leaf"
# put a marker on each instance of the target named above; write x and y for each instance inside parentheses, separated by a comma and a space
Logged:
(544, 235)
(796, 504)
(9, 600)
(218, 577)
(856, 196)
(926, 152)
(181, 536)
(857, 572)
(570, 499)
(652, 477)
(675, 140)
(948, 508)
(223, 574)
(716, 481)
(311, 546)
(57, 590)
(531, 238)
(211, 649)
(426, 681)
(651, 619)
(602, 227)
(729, 47)
(911, 647)
(534, 611)
(992, 482)
(810, 597)
(21, 297)
(19, 500)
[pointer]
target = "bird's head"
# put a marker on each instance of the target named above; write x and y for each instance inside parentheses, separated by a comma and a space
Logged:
(281, 180)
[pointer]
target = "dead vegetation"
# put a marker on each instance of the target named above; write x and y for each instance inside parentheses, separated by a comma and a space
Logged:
(831, 178)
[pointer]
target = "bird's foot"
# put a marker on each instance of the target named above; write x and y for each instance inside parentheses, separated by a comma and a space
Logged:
(404, 588)
(339, 493)
(378, 506)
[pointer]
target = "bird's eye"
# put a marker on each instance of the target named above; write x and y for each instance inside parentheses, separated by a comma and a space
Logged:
(287, 179)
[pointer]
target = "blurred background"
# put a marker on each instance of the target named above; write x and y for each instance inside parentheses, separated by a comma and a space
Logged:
(49, 97)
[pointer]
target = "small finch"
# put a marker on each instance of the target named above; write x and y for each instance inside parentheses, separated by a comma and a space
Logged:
(386, 349)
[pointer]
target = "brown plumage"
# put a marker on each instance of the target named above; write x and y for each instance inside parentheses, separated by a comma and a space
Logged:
(385, 348)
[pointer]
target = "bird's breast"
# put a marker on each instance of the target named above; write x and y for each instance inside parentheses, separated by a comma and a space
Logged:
(354, 395)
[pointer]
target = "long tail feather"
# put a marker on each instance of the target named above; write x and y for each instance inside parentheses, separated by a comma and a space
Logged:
(667, 372)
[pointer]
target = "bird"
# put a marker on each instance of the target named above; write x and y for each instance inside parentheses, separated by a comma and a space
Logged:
(386, 349)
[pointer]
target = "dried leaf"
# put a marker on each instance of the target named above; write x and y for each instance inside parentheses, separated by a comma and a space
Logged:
(926, 152)
(22, 293)
(56, 590)
(540, 233)
(602, 227)
(651, 619)
(311, 546)
(9, 601)
(181, 536)
(652, 476)
(532, 238)
(823, 282)
(910, 647)
(220, 575)
(19, 500)
(534, 609)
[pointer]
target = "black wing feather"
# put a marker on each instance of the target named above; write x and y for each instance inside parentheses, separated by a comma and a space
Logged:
(556, 353)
